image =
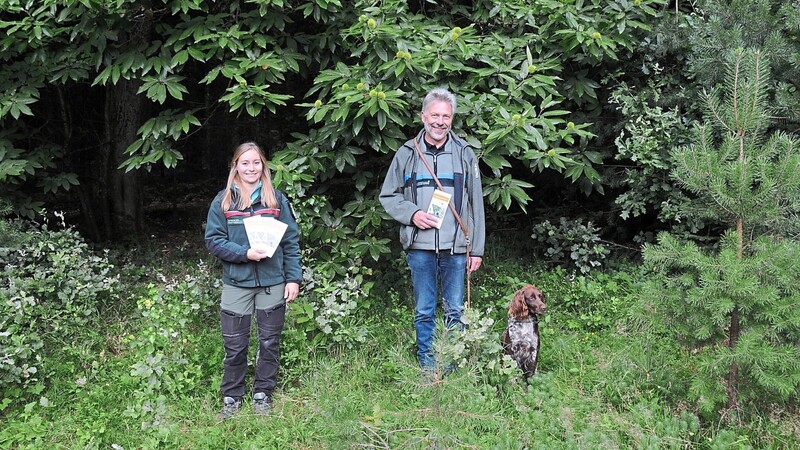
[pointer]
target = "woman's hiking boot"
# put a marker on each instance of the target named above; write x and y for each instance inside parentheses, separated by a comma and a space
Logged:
(261, 405)
(230, 406)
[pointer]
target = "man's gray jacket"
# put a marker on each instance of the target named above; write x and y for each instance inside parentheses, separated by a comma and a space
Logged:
(408, 188)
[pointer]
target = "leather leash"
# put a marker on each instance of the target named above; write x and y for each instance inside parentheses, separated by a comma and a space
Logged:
(453, 210)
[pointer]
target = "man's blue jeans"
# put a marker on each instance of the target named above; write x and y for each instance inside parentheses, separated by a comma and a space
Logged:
(429, 271)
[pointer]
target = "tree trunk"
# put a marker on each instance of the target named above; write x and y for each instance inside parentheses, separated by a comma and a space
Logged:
(86, 190)
(733, 371)
(733, 332)
(124, 112)
(124, 194)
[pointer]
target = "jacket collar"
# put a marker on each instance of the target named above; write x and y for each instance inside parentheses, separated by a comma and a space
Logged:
(255, 196)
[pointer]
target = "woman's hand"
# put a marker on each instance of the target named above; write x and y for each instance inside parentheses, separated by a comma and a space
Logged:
(290, 291)
(256, 254)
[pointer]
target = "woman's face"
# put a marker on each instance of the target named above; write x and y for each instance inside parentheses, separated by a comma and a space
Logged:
(249, 167)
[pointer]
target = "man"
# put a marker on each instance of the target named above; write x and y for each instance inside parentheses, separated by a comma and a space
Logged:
(437, 257)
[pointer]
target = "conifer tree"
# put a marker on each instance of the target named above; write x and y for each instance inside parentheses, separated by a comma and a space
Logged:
(735, 306)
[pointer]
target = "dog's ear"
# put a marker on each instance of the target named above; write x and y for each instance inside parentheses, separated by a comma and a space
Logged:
(518, 308)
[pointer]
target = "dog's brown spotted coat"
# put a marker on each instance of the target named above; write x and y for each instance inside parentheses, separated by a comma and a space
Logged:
(521, 336)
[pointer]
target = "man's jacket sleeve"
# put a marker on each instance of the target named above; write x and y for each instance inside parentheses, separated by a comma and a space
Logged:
(392, 197)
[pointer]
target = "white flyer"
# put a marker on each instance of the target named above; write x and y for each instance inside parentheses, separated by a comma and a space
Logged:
(264, 233)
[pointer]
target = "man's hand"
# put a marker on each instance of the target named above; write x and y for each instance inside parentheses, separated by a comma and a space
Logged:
(423, 220)
(474, 263)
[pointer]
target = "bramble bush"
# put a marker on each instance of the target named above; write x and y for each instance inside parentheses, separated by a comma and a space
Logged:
(592, 303)
(649, 132)
(55, 285)
(579, 302)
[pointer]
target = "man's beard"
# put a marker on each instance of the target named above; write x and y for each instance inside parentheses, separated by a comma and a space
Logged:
(436, 133)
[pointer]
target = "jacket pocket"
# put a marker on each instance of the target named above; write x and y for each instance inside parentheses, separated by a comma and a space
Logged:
(238, 273)
(407, 235)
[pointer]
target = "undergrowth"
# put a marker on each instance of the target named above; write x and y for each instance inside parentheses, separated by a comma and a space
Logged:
(146, 375)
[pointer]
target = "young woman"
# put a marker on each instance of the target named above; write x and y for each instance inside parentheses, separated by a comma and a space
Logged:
(253, 282)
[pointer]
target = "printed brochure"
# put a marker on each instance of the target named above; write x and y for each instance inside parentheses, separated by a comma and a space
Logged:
(264, 233)
(438, 206)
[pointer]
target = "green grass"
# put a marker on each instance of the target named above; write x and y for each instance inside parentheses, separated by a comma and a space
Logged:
(373, 397)
(600, 386)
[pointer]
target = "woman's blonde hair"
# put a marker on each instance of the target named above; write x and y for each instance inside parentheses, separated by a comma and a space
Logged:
(243, 201)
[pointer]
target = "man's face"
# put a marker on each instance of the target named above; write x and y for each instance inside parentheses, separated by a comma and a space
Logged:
(437, 120)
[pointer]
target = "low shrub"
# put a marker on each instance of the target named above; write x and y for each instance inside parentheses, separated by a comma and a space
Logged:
(167, 364)
(55, 285)
(591, 302)
(571, 243)
(330, 305)
(476, 347)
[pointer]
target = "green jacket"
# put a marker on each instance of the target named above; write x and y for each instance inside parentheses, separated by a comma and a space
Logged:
(227, 240)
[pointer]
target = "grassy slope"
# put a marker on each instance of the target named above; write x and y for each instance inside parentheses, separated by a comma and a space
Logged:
(373, 397)
(606, 388)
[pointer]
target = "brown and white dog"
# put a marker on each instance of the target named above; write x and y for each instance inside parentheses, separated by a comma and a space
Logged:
(521, 337)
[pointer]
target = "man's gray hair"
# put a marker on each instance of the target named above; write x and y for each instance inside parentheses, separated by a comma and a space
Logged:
(440, 95)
